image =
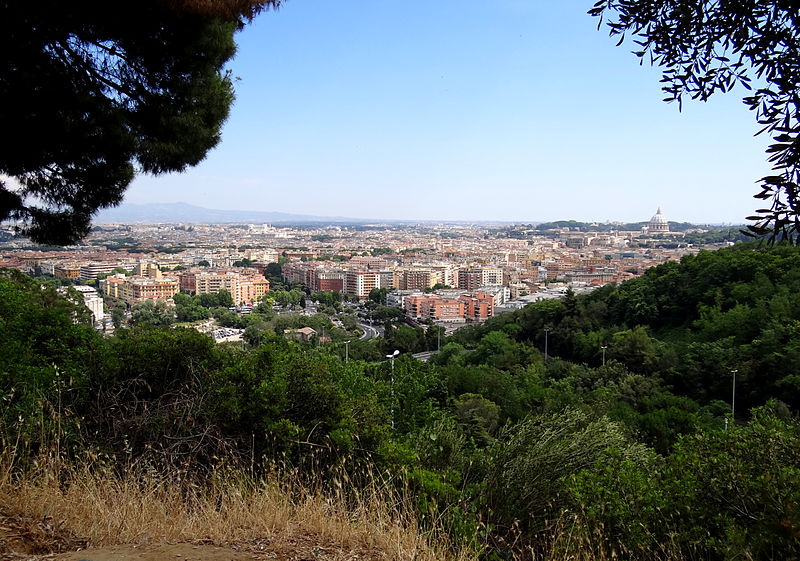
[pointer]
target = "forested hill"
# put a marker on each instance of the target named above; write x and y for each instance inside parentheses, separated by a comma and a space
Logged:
(690, 323)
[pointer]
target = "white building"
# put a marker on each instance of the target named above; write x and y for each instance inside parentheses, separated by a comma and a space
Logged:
(92, 300)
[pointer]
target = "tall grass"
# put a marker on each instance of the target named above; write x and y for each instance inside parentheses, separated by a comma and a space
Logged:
(100, 507)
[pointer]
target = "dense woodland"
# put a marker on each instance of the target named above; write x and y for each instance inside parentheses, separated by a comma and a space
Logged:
(513, 452)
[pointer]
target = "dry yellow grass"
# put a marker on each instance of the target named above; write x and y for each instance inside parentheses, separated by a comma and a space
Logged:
(146, 507)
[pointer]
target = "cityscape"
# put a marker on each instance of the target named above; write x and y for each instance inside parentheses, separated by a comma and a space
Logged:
(291, 281)
(446, 274)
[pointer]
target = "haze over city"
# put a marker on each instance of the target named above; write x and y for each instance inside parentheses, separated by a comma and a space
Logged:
(518, 111)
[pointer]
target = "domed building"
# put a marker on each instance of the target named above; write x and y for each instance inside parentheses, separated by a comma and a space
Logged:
(658, 224)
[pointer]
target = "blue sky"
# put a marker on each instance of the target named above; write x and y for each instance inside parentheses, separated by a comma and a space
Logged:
(514, 110)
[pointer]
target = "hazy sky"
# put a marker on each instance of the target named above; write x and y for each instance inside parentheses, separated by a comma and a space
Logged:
(463, 109)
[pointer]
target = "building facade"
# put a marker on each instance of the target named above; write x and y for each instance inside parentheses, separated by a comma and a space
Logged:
(361, 283)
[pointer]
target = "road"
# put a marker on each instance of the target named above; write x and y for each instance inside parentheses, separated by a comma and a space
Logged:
(369, 332)
(424, 356)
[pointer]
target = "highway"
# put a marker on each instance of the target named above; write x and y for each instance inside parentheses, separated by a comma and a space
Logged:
(369, 332)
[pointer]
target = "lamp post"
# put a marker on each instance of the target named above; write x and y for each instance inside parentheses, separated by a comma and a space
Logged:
(391, 357)
(546, 331)
(604, 347)
(346, 352)
(733, 395)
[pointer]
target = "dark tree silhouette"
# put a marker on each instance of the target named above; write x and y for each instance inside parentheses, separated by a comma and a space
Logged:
(92, 92)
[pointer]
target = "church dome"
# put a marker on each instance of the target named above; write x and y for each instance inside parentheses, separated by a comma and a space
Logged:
(658, 223)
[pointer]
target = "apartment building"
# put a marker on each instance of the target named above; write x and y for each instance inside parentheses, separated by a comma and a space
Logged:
(138, 289)
(315, 276)
(111, 286)
(361, 262)
(466, 307)
(299, 273)
(499, 294)
(213, 282)
(593, 275)
(360, 283)
(251, 289)
(433, 307)
(470, 279)
(446, 274)
(414, 279)
(491, 276)
(150, 270)
(328, 280)
(245, 288)
(478, 306)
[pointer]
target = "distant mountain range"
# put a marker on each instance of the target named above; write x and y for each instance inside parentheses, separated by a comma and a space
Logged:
(183, 212)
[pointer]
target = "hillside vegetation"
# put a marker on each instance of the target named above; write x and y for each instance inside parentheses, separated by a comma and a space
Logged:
(491, 449)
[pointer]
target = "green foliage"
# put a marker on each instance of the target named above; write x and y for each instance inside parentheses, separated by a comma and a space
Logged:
(386, 313)
(332, 299)
(152, 313)
(721, 495)
(220, 299)
(620, 508)
(287, 298)
(46, 346)
(487, 438)
(499, 350)
(689, 323)
(189, 309)
(526, 473)
(406, 339)
(118, 314)
(273, 272)
(715, 236)
(378, 295)
(414, 394)
(479, 416)
(637, 350)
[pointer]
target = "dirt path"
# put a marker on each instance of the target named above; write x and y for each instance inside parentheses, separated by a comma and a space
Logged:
(302, 551)
(22, 539)
(166, 552)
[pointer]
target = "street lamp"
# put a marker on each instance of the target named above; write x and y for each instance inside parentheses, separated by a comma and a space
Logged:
(346, 352)
(604, 347)
(733, 396)
(546, 331)
(392, 357)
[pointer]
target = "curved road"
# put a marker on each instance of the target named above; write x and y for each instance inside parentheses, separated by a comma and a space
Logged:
(369, 332)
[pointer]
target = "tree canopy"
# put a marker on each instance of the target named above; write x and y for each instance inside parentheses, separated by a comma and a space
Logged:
(91, 93)
(705, 46)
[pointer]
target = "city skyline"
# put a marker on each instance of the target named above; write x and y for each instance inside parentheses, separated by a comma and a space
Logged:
(182, 212)
(519, 113)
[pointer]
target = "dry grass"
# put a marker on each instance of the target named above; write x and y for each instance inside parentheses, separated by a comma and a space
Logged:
(95, 506)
